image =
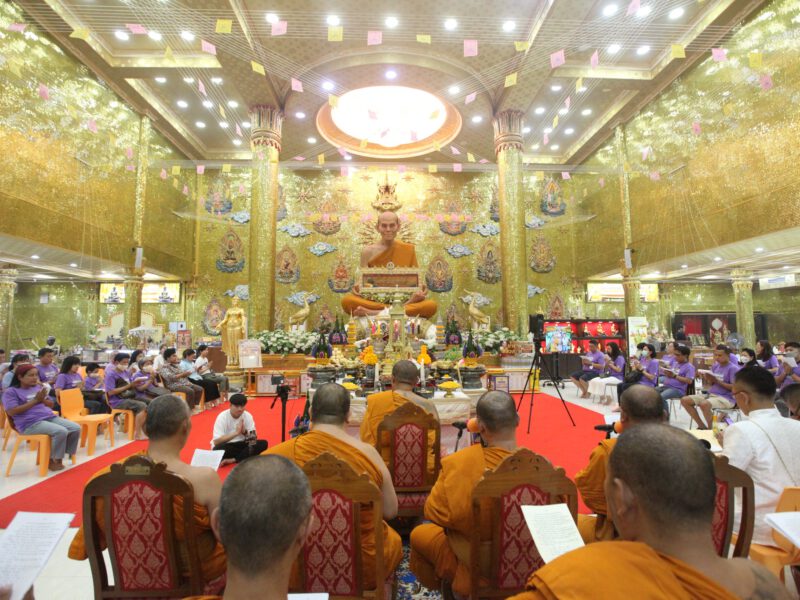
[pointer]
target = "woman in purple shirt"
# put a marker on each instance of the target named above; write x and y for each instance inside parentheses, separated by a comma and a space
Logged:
(766, 358)
(614, 372)
(69, 378)
(27, 404)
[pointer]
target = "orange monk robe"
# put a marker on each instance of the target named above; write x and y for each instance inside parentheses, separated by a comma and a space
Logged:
(589, 482)
(308, 446)
(402, 256)
(212, 554)
(440, 550)
(619, 569)
(378, 406)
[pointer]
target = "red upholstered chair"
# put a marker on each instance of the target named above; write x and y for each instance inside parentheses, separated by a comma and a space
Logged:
(502, 551)
(137, 500)
(729, 479)
(410, 453)
(330, 560)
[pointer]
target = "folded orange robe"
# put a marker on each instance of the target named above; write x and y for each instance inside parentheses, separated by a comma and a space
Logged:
(302, 449)
(440, 550)
(402, 256)
(618, 570)
(589, 482)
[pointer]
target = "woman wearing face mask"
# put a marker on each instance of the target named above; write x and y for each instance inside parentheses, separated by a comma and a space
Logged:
(747, 358)
(766, 358)
(789, 374)
(146, 381)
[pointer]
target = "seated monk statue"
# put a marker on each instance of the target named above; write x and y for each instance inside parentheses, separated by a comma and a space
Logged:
(330, 411)
(404, 378)
(660, 489)
(261, 549)
(638, 404)
(401, 255)
(167, 426)
(440, 550)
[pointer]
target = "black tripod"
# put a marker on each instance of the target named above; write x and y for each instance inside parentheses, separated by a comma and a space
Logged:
(283, 396)
(538, 363)
(556, 381)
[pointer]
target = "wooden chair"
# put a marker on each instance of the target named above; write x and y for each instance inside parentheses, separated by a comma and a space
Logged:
(409, 430)
(330, 560)
(72, 408)
(39, 442)
(137, 499)
(500, 534)
(784, 553)
(729, 479)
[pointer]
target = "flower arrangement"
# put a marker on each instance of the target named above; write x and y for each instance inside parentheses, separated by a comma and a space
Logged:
(368, 356)
(492, 341)
(286, 342)
(424, 358)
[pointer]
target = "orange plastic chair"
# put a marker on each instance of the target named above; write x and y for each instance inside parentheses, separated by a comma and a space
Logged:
(72, 408)
(40, 442)
(201, 404)
(127, 415)
(786, 553)
(82, 372)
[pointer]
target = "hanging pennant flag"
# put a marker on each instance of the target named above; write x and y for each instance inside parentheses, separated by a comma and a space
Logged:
(645, 152)
(44, 92)
(765, 81)
(602, 182)
(374, 38)
(633, 8)
(433, 169)
(470, 97)
(696, 128)
(176, 170)
(208, 47)
(221, 111)
(18, 27)
(168, 54)
(163, 173)
(557, 59)
(437, 146)
(136, 29)
(454, 150)
(521, 46)
(242, 189)
(470, 157)
(130, 168)
(201, 169)
(456, 167)
(568, 102)
(719, 54)
(655, 176)
(185, 190)
(595, 59)
(510, 80)
(335, 34)
(201, 88)
(321, 159)
(483, 161)
(297, 85)
(579, 85)
(333, 100)
(80, 34)
(470, 48)
(91, 125)
(226, 168)
(299, 158)
(238, 130)
(555, 121)
(677, 51)
(279, 28)
(565, 175)
(257, 67)
(423, 38)
(344, 171)
(224, 25)
(129, 152)
(545, 139)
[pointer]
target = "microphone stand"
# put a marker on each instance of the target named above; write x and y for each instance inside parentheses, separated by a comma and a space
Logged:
(461, 426)
(283, 396)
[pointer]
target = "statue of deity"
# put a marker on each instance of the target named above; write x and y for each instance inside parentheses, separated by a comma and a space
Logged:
(233, 329)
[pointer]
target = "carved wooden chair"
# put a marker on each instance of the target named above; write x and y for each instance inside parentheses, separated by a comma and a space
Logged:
(413, 461)
(136, 497)
(784, 552)
(331, 559)
(729, 479)
(502, 553)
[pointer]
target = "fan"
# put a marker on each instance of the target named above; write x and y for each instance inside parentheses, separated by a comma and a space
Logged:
(735, 340)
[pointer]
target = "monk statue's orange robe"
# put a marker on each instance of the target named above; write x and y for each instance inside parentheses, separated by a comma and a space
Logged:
(589, 482)
(305, 447)
(378, 406)
(402, 256)
(212, 554)
(617, 570)
(440, 550)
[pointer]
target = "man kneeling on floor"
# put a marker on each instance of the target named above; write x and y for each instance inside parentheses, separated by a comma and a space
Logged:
(235, 432)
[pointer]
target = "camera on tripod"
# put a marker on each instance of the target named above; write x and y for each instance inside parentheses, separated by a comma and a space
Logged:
(281, 387)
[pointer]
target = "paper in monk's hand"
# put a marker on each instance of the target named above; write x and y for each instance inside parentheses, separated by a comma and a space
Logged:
(553, 530)
(787, 524)
(207, 458)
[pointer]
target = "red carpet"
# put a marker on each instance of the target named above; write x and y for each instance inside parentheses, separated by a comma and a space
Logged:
(551, 434)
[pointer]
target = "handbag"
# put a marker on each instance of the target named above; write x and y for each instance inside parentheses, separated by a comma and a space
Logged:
(634, 376)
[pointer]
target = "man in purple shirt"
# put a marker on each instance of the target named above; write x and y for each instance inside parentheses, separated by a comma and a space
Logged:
(121, 393)
(720, 386)
(677, 377)
(594, 362)
(48, 371)
(787, 375)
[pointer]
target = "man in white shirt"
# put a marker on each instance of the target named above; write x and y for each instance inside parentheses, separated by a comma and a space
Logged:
(765, 445)
(235, 432)
(205, 371)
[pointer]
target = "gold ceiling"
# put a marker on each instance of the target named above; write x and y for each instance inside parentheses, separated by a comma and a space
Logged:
(151, 52)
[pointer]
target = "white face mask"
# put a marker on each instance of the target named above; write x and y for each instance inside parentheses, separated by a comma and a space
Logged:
(744, 358)
(147, 368)
(791, 352)
(644, 353)
(121, 367)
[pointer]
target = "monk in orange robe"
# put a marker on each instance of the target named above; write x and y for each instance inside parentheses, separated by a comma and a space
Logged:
(389, 251)
(404, 378)
(660, 490)
(440, 550)
(330, 410)
(638, 404)
(167, 426)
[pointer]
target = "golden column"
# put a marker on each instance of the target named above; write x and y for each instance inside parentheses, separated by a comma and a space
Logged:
(508, 147)
(631, 287)
(665, 301)
(743, 294)
(630, 284)
(8, 288)
(265, 143)
(133, 299)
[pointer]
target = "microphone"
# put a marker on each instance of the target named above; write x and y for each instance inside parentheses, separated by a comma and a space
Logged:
(611, 428)
(460, 425)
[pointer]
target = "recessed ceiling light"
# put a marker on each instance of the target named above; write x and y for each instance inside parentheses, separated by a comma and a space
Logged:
(563, 111)
(391, 22)
(348, 157)
(246, 124)
(548, 130)
(676, 13)
(208, 104)
(569, 131)
(539, 110)
(216, 80)
(391, 74)
(644, 11)
(450, 24)
(586, 112)
(187, 35)
(554, 147)
(642, 50)
(785, 267)
(555, 87)
(509, 26)
(103, 272)
(717, 258)
(526, 130)
(161, 80)
(477, 119)
(327, 86)
(233, 104)
(35, 256)
(272, 18)
(684, 266)
(188, 80)
(200, 125)
(154, 35)
(759, 249)
(613, 48)
(182, 103)
(312, 140)
(609, 10)
(583, 88)
(237, 142)
(223, 124)
(332, 20)
(300, 115)
(73, 265)
(535, 147)
(453, 90)
(121, 35)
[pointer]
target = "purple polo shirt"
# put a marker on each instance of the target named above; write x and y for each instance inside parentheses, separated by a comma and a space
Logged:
(112, 374)
(90, 383)
(772, 363)
(650, 366)
(16, 396)
(670, 360)
(597, 357)
(619, 362)
(67, 381)
(683, 370)
(47, 373)
(787, 381)
(727, 372)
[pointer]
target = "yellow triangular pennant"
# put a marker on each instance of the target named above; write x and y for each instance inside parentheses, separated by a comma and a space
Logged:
(335, 34)
(522, 46)
(677, 51)
(511, 80)
(423, 38)
(257, 67)
(81, 33)
(226, 168)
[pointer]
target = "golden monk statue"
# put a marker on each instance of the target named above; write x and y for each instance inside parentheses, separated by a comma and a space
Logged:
(233, 329)
(384, 253)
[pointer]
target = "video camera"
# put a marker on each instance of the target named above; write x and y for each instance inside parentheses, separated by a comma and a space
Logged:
(281, 387)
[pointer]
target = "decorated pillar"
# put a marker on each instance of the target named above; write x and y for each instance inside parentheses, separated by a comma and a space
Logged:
(8, 288)
(631, 286)
(665, 301)
(621, 147)
(133, 299)
(508, 147)
(743, 294)
(265, 143)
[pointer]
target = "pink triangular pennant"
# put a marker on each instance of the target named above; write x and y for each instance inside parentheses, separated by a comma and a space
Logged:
(454, 150)
(201, 169)
(645, 152)
(655, 176)
(201, 87)
(238, 130)
(483, 161)
(241, 188)
(568, 102)
(456, 167)
(765, 81)
(129, 152)
(374, 38)
(91, 125)
(470, 47)
(279, 28)
(719, 54)
(18, 27)
(595, 60)
(297, 85)
(557, 59)
(470, 97)
(602, 182)
(633, 8)
(163, 174)
(545, 139)
(44, 92)
(299, 158)
(208, 47)
(185, 190)
(696, 128)
(136, 29)
(565, 175)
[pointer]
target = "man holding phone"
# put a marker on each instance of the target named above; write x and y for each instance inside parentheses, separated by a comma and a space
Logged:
(235, 433)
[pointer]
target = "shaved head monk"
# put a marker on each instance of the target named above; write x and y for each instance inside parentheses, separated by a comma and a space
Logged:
(660, 489)
(638, 404)
(330, 411)
(440, 550)
(388, 252)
